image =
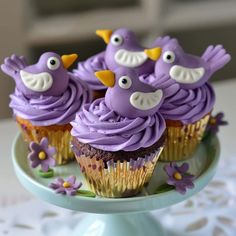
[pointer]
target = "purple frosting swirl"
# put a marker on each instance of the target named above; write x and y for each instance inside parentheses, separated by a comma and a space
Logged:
(102, 128)
(51, 110)
(189, 105)
(86, 70)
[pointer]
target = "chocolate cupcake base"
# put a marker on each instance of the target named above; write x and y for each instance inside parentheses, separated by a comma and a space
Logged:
(117, 174)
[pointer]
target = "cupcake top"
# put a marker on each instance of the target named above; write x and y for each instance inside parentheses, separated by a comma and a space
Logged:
(189, 105)
(126, 119)
(86, 69)
(46, 93)
(123, 49)
(185, 105)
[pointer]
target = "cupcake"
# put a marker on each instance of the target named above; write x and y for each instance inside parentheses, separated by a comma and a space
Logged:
(46, 99)
(189, 98)
(123, 50)
(117, 140)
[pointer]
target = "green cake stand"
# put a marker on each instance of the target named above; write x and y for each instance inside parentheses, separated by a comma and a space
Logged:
(122, 216)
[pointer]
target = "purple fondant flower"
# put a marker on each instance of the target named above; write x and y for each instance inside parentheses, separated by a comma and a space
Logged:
(178, 177)
(42, 154)
(215, 122)
(68, 187)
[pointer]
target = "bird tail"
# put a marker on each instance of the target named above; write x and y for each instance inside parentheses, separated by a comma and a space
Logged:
(12, 65)
(216, 56)
(161, 41)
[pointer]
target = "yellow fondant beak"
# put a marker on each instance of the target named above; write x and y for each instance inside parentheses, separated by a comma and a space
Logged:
(105, 34)
(153, 53)
(107, 77)
(68, 60)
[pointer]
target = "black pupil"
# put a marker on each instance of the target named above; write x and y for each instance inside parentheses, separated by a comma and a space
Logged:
(53, 62)
(124, 81)
(168, 57)
(116, 39)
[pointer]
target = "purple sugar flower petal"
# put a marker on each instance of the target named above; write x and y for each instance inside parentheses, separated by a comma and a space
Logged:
(44, 166)
(34, 156)
(215, 122)
(51, 151)
(53, 185)
(44, 143)
(178, 177)
(71, 179)
(170, 181)
(50, 161)
(70, 191)
(60, 181)
(35, 163)
(190, 185)
(34, 147)
(60, 187)
(31, 156)
(60, 190)
(183, 168)
(77, 185)
(181, 189)
(169, 170)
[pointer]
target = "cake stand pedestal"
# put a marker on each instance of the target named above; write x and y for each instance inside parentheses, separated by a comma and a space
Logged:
(122, 216)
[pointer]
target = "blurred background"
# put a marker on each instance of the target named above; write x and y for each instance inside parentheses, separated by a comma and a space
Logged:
(31, 27)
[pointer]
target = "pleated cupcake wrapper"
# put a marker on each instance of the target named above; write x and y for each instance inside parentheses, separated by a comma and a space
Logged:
(182, 142)
(117, 179)
(59, 138)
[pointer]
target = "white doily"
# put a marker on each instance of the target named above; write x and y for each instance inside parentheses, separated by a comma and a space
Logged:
(212, 212)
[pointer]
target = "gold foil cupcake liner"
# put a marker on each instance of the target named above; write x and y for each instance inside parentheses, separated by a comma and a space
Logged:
(118, 179)
(182, 141)
(58, 136)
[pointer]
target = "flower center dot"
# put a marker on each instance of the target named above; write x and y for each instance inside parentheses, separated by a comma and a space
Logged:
(177, 176)
(66, 184)
(212, 121)
(42, 155)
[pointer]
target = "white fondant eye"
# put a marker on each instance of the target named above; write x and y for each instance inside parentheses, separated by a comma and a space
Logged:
(53, 63)
(116, 39)
(168, 57)
(125, 82)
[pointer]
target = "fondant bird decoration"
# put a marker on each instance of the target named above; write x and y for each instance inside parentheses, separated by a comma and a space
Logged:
(49, 76)
(124, 50)
(188, 70)
(127, 95)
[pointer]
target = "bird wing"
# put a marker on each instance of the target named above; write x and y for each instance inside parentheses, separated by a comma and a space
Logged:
(12, 65)
(161, 81)
(216, 56)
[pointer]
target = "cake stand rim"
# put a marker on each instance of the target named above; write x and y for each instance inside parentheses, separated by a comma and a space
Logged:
(200, 182)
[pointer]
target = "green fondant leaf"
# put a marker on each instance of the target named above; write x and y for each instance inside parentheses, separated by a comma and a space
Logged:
(188, 174)
(23, 226)
(48, 174)
(86, 193)
(205, 135)
(164, 188)
(49, 214)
